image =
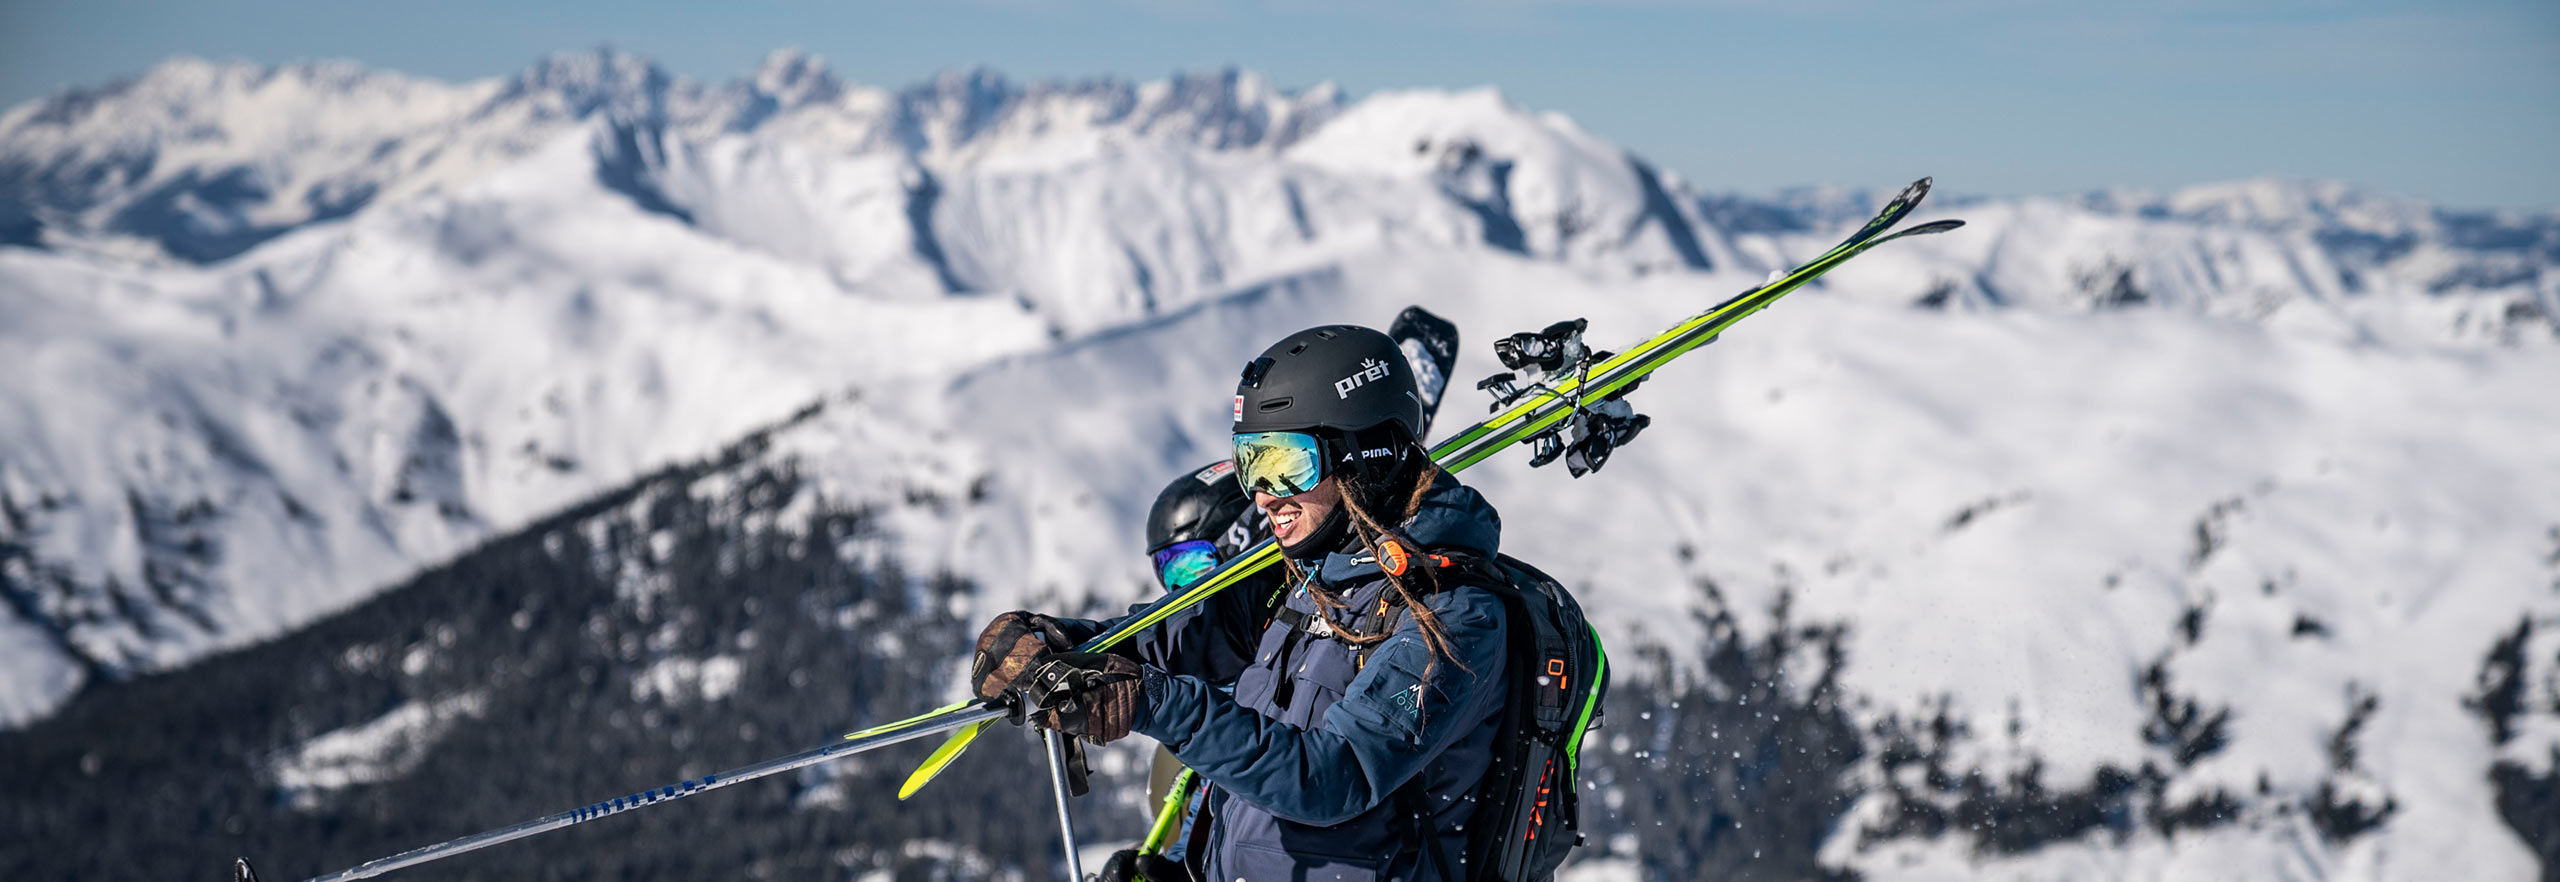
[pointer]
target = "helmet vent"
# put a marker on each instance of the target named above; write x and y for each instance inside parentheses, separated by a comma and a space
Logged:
(1273, 404)
(1293, 350)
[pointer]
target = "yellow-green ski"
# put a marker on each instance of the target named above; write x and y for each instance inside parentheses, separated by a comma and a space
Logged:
(941, 757)
(927, 715)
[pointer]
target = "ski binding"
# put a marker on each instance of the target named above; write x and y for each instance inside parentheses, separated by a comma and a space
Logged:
(1585, 440)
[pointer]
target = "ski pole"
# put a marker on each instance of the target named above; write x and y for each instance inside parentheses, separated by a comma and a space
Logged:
(874, 739)
(1057, 745)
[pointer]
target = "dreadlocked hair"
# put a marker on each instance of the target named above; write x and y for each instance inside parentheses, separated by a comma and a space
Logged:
(1371, 532)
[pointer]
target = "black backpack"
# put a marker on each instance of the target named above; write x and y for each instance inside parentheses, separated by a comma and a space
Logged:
(1528, 809)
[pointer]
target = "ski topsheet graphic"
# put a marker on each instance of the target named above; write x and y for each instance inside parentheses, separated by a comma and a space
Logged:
(1548, 405)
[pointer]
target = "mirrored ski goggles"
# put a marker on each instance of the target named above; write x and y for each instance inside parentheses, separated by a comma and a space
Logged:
(1182, 563)
(1279, 463)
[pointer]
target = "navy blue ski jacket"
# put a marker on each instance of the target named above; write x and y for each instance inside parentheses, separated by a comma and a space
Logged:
(1319, 761)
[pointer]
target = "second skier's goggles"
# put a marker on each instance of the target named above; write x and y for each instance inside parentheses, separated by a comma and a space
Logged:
(1182, 563)
(1279, 463)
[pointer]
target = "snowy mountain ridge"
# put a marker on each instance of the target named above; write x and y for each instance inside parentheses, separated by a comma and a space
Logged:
(282, 337)
(200, 160)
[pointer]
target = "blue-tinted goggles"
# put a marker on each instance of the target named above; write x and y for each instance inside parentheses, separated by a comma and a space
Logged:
(1279, 463)
(1182, 563)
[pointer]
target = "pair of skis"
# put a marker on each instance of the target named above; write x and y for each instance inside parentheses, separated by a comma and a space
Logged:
(1536, 411)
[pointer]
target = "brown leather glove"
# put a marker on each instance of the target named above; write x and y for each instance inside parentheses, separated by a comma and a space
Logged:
(1092, 694)
(1009, 646)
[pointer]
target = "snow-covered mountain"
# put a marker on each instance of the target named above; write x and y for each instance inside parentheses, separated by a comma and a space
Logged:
(199, 161)
(2288, 252)
(280, 337)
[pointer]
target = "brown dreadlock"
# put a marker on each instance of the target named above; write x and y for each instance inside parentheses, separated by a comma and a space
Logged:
(1371, 532)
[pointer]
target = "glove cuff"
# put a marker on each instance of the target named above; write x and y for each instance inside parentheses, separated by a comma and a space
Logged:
(1151, 688)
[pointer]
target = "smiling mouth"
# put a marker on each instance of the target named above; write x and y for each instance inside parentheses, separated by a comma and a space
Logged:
(1282, 523)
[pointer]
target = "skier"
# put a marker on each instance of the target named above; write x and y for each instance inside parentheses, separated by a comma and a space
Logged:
(1202, 519)
(1363, 718)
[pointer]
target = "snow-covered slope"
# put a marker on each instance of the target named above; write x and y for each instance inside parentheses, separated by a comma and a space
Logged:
(280, 337)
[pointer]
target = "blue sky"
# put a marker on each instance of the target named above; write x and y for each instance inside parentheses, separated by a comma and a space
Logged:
(2455, 101)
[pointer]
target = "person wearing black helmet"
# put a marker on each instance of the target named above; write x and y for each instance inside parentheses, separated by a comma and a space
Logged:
(1363, 718)
(1203, 518)
(1200, 520)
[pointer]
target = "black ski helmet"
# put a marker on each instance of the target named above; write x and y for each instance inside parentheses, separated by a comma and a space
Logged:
(1343, 378)
(1204, 503)
(1351, 388)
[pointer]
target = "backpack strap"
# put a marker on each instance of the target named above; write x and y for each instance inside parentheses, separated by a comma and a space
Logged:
(1446, 563)
(1316, 625)
(1415, 807)
(1394, 558)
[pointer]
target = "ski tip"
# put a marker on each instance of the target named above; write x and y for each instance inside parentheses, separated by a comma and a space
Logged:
(1415, 315)
(941, 759)
(1936, 226)
(1917, 191)
(240, 871)
(916, 780)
